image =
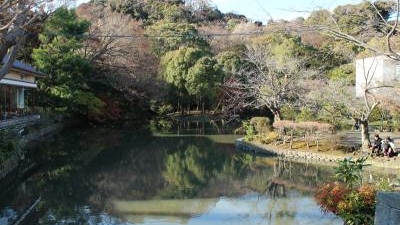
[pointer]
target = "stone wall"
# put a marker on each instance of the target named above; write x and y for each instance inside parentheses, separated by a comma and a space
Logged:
(387, 211)
(314, 157)
(24, 133)
(287, 153)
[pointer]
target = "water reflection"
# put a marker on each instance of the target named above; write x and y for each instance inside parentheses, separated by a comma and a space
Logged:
(135, 177)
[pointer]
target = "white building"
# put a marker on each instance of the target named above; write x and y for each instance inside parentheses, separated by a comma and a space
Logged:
(375, 71)
(15, 88)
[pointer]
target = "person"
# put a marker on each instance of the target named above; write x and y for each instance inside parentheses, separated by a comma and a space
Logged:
(388, 147)
(377, 145)
(357, 126)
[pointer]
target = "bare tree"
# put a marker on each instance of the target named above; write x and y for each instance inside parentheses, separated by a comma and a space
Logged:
(15, 17)
(389, 27)
(268, 80)
(340, 96)
(120, 53)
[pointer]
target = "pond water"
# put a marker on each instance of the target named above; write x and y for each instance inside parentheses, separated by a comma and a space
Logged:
(122, 176)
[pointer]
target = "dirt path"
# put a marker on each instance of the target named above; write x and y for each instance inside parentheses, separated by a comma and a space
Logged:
(353, 138)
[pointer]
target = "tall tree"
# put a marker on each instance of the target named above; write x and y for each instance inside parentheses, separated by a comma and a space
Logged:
(168, 36)
(203, 78)
(59, 56)
(276, 67)
(192, 72)
(125, 65)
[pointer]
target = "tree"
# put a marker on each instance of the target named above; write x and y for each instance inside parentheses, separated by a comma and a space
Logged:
(168, 36)
(15, 17)
(191, 71)
(230, 62)
(123, 66)
(148, 11)
(58, 56)
(174, 65)
(203, 77)
(358, 23)
(275, 68)
(338, 95)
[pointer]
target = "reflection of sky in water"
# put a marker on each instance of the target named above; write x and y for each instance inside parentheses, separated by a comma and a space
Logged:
(97, 185)
(249, 209)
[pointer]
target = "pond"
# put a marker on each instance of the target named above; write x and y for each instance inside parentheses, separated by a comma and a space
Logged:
(122, 176)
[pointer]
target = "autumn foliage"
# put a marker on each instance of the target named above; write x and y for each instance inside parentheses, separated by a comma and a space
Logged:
(354, 204)
(330, 195)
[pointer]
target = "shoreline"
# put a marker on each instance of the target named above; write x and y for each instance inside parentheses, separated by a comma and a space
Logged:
(382, 163)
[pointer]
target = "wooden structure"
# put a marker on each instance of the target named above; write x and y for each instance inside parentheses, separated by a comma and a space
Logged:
(17, 90)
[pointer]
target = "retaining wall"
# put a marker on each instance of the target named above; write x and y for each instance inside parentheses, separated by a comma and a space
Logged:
(314, 157)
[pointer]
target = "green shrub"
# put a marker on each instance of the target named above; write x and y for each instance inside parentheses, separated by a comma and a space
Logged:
(7, 145)
(269, 137)
(261, 125)
(161, 110)
(349, 171)
(249, 131)
(305, 115)
(356, 206)
(165, 109)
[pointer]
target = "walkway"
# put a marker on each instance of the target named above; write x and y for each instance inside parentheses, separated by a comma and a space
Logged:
(18, 121)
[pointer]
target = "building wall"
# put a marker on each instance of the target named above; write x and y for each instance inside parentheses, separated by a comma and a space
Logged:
(389, 71)
(20, 77)
(379, 70)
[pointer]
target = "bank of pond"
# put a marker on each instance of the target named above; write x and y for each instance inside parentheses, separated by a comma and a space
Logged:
(150, 176)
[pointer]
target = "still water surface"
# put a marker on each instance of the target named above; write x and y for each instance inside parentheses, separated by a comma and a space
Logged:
(121, 176)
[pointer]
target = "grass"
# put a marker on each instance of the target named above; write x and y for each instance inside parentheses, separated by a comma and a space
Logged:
(330, 144)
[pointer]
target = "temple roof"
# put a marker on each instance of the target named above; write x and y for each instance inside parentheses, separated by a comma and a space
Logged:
(19, 65)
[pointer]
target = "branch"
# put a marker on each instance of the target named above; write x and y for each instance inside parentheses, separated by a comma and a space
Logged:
(390, 34)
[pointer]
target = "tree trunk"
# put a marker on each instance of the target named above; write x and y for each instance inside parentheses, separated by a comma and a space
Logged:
(365, 141)
(306, 139)
(277, 114)
(14, 39)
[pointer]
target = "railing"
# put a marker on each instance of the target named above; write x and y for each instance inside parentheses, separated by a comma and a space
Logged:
(18, 120)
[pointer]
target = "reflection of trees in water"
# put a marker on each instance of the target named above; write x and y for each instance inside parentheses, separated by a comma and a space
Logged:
(60, 182)
(275, 177)
(198, 126)
(190, 169)
(131, 167)
(91, 169)
(303, 176)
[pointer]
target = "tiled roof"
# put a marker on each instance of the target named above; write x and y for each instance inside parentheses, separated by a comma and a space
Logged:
(19, 65)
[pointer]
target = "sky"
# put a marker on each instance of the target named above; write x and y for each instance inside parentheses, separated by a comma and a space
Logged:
(263, 10)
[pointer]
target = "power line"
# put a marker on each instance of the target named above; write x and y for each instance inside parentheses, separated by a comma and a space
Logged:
(191, 35)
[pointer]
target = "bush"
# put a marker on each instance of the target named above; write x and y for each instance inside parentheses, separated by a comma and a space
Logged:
(165, 109)
(269, 137)
(7, 145)
(262, 125)
(305, 115)
(248, 130)
(356, 206)
(161, 110)
(349, 171)
(330, 195)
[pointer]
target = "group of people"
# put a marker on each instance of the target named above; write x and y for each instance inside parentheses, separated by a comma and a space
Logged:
(383, 147)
